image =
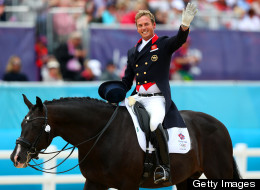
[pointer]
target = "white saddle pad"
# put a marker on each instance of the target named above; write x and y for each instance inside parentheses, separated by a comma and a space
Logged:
(179, 139)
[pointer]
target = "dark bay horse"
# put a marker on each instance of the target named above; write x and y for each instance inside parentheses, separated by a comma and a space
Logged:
(116, 161)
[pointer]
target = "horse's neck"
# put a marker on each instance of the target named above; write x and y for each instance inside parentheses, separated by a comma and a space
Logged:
(77, 123)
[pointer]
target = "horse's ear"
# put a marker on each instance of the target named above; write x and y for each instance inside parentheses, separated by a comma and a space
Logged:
(39, 102)
(27, 102)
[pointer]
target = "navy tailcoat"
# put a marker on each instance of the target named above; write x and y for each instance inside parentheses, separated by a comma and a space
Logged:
(152, 64)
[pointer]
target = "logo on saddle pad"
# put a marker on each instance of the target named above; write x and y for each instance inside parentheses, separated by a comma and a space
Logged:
(182, 137)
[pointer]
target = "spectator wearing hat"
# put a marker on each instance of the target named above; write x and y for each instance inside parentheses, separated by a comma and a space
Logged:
(92, 70)
(95, 66)
(13, 70)
(51, 72)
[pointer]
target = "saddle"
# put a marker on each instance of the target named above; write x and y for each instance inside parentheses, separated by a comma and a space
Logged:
(151, 158)
(144, 120)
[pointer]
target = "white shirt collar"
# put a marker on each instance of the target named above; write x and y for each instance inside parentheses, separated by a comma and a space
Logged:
(144, 42)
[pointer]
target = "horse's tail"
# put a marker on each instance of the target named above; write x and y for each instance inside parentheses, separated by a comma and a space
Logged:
(236, 173)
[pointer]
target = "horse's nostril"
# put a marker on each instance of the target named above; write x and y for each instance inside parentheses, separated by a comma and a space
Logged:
(18, 159)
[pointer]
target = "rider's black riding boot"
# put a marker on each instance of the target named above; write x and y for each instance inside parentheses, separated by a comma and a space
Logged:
(162, 171)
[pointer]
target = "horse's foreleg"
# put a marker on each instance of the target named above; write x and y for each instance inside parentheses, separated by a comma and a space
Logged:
(93, 186)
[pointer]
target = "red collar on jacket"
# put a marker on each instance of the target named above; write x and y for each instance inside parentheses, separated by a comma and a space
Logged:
(154, 39)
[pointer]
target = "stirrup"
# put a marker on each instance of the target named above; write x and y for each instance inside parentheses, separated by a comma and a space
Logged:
(162, 179)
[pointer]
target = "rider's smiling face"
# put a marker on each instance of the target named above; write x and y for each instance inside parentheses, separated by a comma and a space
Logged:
(145, 27)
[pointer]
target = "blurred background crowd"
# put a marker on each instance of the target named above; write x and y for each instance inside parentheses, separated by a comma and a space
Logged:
(61, 33)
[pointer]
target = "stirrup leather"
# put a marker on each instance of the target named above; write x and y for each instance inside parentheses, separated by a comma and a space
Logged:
(162, 179)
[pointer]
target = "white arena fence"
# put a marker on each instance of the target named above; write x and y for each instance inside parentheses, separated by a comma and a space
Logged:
(49, 181)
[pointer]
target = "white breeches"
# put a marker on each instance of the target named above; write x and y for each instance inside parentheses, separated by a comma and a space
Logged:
(155, 106)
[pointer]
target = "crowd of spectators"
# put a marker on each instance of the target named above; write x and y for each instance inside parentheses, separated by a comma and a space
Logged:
(228, 12)
(69, 60)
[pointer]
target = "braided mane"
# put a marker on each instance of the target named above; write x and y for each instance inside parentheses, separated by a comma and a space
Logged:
(93, 101)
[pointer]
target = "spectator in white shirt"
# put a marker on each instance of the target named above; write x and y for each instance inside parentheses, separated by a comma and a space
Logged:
(250, 22)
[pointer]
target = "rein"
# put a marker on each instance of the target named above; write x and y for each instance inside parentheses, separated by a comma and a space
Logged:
(32, 148)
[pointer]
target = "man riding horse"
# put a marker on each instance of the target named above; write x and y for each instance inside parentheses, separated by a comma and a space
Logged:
(149, 63)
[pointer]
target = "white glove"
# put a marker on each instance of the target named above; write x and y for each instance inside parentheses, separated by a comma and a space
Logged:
(188, 14)
(131, 101)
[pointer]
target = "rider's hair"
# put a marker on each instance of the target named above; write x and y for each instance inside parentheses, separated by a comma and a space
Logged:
(144, 13)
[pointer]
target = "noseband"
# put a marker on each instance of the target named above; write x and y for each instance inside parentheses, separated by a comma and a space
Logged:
(32, 146)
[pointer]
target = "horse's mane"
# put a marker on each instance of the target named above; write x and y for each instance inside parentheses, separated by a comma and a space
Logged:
(93, 101)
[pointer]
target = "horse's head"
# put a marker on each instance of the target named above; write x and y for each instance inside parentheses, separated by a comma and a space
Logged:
(35, 134)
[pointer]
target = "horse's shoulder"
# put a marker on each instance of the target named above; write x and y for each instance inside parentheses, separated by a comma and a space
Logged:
(122, 109)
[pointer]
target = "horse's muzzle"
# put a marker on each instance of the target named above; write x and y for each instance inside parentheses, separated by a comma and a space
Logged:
(17, 163)
(19, 157)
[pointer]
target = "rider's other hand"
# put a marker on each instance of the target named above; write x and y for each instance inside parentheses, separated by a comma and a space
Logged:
(188, 14)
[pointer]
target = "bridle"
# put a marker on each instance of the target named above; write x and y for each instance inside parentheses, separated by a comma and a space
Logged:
(32, 146)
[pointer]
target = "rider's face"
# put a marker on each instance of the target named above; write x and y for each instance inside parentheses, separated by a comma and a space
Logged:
(145, 27)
